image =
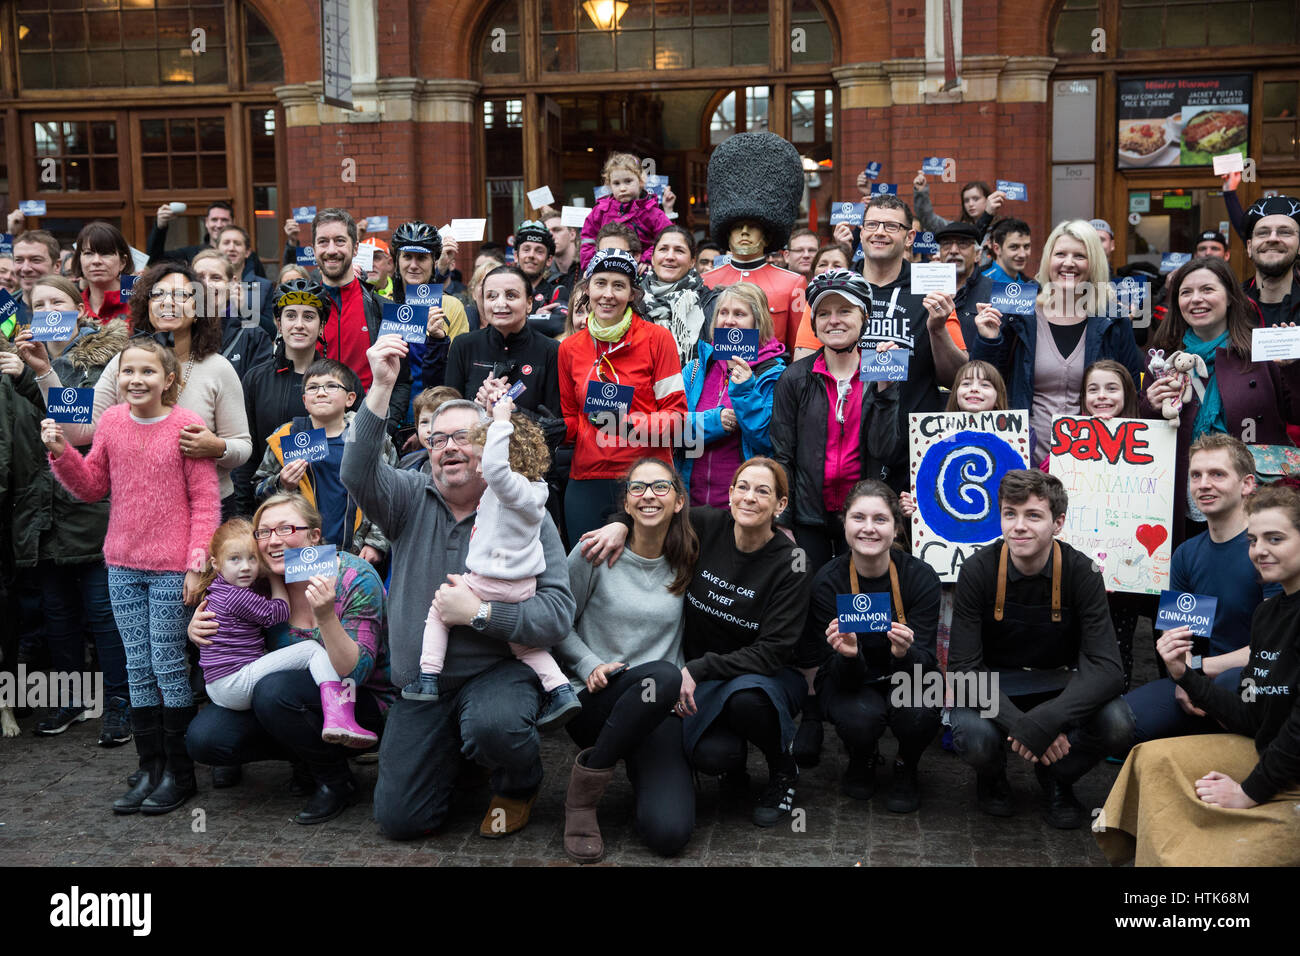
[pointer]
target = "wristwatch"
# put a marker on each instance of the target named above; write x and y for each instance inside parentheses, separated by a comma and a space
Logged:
(480, 620)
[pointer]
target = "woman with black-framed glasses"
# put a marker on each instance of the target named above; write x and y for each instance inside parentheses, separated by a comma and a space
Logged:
(624, 653)
(165, 306)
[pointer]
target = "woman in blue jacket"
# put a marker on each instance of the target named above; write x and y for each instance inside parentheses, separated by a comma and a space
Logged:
(730, 400)
(1076, 323)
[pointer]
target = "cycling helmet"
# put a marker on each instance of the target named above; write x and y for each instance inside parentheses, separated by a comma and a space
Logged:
(530, 230)
(417, 236)
(303, 292)
(851, 285)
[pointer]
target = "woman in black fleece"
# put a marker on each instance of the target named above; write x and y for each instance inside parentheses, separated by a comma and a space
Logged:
(745, 611)
(857, 685)
(1226, 799)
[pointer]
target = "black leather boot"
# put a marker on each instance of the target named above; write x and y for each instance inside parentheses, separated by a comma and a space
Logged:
(146, 723)
(177, 783)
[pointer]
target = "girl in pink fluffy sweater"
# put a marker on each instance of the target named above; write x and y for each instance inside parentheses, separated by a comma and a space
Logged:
(164, 510)
(626, 204)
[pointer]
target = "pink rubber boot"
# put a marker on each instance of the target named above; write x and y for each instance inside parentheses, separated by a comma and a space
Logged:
(341, 726)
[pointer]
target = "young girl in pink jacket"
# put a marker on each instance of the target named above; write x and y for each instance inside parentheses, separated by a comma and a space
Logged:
(164, 510)
(626, 204)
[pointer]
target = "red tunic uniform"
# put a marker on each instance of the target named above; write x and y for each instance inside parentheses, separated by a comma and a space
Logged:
(784, 290)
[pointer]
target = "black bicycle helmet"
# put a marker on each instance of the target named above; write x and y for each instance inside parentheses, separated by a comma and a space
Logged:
(843, 282)
(530, 230)
(416, 236)
(303, 292)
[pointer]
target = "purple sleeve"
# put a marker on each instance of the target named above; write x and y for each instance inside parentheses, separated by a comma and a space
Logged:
(245, 604)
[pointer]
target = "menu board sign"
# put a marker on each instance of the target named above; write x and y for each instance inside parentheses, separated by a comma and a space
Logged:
(1181, 120)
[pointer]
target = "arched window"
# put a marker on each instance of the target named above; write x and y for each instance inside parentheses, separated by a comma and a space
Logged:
(79, 44)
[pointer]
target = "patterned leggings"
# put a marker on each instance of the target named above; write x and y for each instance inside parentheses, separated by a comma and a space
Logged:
(152, 618)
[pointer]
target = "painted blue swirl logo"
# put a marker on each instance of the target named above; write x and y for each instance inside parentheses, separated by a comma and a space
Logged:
(957, 486)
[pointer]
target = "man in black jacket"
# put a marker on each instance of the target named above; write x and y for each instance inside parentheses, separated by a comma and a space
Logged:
(1033, 659)
(356, 312)
(220, 214)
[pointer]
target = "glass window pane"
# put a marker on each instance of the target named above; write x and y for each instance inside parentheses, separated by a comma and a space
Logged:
(508, 17)
(756, 108)
(635, 50)
(749, 11)
(137, 30)
(105, 173)
(103, 138)
(76, 175)
(1140, 29)
(48, 139)
(173, 67)
(69, 32)
(71, 70)
(210, 67)
(804, 118)
(749, 46)
(1279, 138)
(558, 14)
(672, 13)
(672, 49)
(183, 133)
(712, 47)
(173, 30)
(213, 169)
(595, 52)
(106, 68)
(142, 69)
(1275, 21)
(212, 133)
(497, 61)
(711, 12)
(723, 122)
(105, 30)
(153, 135)
(37, 70)
(33, 32)
(1074, 31)
(1228, 23)
(1185, 26)
(559, 53)
(155, 172)
(185, 172)
(638, 15)
(1280, 99)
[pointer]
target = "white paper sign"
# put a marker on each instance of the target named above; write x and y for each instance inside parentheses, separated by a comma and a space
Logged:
(468, 230)
(538, 198)
(1228, 163)
(930, 277)
(1269, 345)
(574, 216)
(364, 258)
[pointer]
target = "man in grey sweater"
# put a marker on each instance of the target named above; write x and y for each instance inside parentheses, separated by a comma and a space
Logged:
(490, 700)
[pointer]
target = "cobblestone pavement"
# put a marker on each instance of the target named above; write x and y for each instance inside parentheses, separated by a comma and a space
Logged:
(55, 793)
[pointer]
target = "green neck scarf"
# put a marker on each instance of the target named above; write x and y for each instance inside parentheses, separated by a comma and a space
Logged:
(609, 333)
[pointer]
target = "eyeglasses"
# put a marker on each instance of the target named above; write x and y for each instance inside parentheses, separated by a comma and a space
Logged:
(959, 243)
(283, 531)
(183, 295)
(1282, 232)
(893, 228)
(637, 489)
(440, 439)
(321, 388)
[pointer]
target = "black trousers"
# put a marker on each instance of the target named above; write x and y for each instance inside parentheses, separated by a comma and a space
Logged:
(862, 714)
(632, 719)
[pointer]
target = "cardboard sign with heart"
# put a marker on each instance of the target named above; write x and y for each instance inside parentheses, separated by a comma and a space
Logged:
(1151, 536)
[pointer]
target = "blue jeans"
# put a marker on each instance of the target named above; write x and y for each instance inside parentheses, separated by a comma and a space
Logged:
(70, 595)
(982, 744)
(152, 618)
(1156, 713)
(491, 718)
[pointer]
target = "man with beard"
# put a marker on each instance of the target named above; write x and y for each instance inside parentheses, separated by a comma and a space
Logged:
(353, 324)
(1273, 225)
(534, 248)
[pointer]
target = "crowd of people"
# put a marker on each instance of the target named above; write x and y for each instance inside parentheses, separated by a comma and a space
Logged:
(576, 502)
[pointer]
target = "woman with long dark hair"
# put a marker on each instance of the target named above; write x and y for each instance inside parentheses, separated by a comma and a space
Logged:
(626, 638)
(1211, 318)
(164, 305)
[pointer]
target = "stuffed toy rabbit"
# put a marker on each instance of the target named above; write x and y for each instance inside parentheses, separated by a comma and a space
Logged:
(1184, 370)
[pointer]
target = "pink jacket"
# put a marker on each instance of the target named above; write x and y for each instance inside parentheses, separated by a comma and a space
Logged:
(642, 215)
(165, 506)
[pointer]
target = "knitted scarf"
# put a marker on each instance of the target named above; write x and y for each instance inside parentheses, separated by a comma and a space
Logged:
(1209, 417)
(609, 333)
(676, 306)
